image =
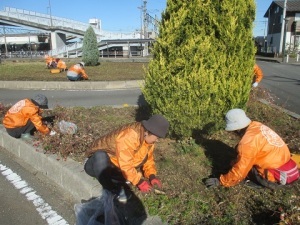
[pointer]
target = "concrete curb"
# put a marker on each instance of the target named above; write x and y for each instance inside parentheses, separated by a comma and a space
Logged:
(68, 174)
(278, 60)
(68, 85)
(292, 114)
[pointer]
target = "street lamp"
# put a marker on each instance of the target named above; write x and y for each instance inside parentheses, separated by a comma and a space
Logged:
(286, 20)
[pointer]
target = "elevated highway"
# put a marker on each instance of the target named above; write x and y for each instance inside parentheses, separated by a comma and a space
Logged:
(62, 30)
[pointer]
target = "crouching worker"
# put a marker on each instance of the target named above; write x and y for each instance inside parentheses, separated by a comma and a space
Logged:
(263, 157)
(24, 118)
(50, 62)
(77, 72)
(126, 154)
(61, 65)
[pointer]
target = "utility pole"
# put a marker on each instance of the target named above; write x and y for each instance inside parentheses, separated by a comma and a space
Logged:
(29, 45)
(145, 23)
(284, 38)
(51, 24)
(265, 38)
(5, 41)
(141, 29)
(282, 27)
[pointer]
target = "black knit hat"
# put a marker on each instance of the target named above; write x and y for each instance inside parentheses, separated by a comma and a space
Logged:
(157, 125)
(41, 101)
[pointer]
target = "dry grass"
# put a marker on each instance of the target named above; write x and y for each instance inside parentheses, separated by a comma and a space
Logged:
(29, 70)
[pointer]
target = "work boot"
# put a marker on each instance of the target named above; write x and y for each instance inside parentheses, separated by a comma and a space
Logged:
(123, 195)
(251, 184)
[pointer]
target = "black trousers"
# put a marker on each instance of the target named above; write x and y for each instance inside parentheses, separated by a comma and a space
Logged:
(254, 176)
(18, 131)
(100, 167)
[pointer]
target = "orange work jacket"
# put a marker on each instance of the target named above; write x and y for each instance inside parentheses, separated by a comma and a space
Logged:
(49, 60)
(260, 147)
(258, 73)
(61, 65)
(78, 70)
(19, 114)
(128, 151)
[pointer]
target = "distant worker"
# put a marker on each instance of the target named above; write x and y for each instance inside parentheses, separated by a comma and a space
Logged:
(77, 72)
(24, 118)
(60, 64)
(263, 157)
(258, 75)
(50, 62)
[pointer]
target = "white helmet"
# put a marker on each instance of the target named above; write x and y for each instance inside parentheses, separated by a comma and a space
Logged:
(236, 119)
(82, 64)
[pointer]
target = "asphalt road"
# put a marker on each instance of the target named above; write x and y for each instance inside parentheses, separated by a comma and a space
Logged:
(85, 98)
(45, 202)
(283, 82)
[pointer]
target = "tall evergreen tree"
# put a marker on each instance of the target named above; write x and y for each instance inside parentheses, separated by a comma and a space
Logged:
(202, 62)
(90, 52)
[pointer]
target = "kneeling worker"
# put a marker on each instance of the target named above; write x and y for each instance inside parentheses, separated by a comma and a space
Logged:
(77, 72)
(263, 157)
(24, 117)
(61, 65)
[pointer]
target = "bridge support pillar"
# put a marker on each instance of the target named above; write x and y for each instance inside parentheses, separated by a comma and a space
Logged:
(58, 40)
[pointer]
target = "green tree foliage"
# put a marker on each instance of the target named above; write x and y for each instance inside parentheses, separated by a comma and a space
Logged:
(90, 52)
(202, 63)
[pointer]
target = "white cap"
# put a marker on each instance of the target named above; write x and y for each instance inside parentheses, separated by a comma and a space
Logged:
(82, 63)
(236, 119)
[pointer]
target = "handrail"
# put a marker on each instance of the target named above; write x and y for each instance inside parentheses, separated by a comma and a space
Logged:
(63, 24)
(44, 19)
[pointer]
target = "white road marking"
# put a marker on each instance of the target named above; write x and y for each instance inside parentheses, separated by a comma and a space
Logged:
(43, 208)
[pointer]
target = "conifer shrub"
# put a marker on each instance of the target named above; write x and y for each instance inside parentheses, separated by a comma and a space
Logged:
(90, 52)
(202, 63)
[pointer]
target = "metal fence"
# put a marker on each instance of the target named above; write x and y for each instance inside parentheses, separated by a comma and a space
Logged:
(24, 54)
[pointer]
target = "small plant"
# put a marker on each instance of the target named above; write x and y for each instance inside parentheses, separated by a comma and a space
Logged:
(187, 145)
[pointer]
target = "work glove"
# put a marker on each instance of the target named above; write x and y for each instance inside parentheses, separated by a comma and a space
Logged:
(255, 84)
(212, 182)
(144, 186)
(52, 133)
(155, 182)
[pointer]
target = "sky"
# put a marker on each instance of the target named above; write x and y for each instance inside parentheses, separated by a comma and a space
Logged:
(115, 15)
(260, 28)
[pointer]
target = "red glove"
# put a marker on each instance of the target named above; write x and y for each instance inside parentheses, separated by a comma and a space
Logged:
(156, 182)
(144, 187)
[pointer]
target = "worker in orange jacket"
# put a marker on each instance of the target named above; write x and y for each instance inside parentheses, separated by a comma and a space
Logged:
(258, 75)
(23, 118)
(77, 72)
(50, 62)
(261, 154)
(60, 64)
(120, 154)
